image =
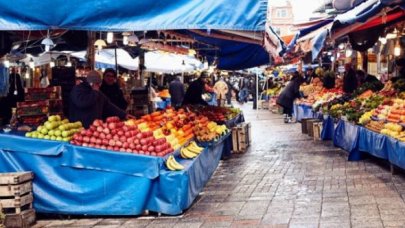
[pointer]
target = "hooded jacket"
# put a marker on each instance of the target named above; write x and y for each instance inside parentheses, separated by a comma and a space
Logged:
(115, 94)
(87, 105)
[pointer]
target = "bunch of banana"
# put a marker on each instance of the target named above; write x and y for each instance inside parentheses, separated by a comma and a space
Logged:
(221, 129)
(172, 164)
(191, 151)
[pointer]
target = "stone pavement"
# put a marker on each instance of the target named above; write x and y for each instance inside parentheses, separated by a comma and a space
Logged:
(285, 180)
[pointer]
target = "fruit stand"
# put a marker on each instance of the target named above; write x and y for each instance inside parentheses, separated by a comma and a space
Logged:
(116, 176)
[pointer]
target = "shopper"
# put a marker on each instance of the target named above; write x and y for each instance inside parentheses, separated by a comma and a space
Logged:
(288, 95)
(244, 85)
(195, 91)
(362, 77)
(111, 89)
(176, 90)
(350, 82)
(15, 94)
(221, 90)
(87, 103)
(229, 93)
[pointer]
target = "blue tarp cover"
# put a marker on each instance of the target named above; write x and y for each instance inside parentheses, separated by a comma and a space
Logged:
(328, 128)
(79, 180)
(129, 15)
(346, 137)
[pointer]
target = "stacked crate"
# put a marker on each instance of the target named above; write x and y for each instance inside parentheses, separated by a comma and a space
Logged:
(241, 137)
(16, 199)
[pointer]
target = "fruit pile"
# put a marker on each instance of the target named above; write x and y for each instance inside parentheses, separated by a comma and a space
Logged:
(393, 130)
(375, 126)
(366, 117)
(56, 129)
(116, 135)
(191, 151)
(214, 113)
(209, 131)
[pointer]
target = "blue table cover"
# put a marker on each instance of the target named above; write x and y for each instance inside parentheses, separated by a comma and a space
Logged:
(304, 111)
(79, 180)
(373, 143)
(346, 137)
(328, 128)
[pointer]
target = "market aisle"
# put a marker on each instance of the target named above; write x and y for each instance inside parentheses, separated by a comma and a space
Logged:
(284, 180)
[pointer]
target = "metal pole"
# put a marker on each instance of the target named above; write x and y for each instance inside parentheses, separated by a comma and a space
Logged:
(116, 61)
(257, 89)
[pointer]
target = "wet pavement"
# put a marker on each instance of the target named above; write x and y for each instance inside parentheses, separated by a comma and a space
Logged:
(285, 179)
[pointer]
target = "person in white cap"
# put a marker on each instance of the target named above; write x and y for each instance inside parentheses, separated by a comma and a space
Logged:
(87, 103)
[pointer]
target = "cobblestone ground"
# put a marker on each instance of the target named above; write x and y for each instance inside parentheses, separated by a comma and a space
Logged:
(285, 180)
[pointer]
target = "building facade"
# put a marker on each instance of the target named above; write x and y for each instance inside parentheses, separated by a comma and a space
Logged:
(281, 17)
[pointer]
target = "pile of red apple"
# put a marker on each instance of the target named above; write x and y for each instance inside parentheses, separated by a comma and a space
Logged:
(115, 135)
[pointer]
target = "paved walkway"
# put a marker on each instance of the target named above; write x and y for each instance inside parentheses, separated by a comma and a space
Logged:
(284, 180)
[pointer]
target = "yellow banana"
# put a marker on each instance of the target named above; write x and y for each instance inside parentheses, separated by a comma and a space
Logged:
(169, 165)
(194, 144)
(194, 149)
(175, 164)
(186, 153)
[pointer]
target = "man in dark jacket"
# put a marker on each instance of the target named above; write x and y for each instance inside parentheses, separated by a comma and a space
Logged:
(112, 90)
(87, 103)
(15, 94)
(176, 90)
(288, 95)
(195, 91)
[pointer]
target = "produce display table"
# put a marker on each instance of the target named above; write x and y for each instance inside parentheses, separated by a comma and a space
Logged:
(346, 137)
(304, 111)
(328, 128)
(78, 180)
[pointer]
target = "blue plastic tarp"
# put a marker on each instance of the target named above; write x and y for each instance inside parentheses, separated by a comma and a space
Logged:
(346, 137)
(328, 128)
(81, 180)
(304, 112)
(128, 15)
(372, 143)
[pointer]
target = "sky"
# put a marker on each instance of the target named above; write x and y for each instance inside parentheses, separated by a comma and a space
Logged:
(302, 8)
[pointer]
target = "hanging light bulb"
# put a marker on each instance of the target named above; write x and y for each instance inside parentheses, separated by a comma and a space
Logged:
(397, 49)
(133, 40)
(341, 46)
(31, 64)
(47, 42)
(27, 75)
(383, 40)
(52, 63)
(68, 63)
(125, 36)
(110, 37)
(192, 52)
(6, 63)
(349, 50)
(100, 43)
(392, 35)
(206, 64)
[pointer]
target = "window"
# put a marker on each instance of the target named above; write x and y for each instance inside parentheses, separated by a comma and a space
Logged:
(281, 13)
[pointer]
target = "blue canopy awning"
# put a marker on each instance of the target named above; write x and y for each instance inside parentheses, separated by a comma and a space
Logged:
(129, 15)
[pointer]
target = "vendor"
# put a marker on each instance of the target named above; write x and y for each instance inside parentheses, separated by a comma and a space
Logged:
(111, 89)
(288, 95)
(350, 82)
(195, 91)
(176, 90)
(87, 103)
(15, 94)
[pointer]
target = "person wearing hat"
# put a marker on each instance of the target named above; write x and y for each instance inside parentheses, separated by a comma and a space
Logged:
(112, 90)
(195, 91)
(87, 103)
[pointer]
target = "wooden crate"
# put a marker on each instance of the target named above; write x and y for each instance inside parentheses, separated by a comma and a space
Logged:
(15, 178)
(310, 126)
(241, 137)
(23, 220)
(317, 129)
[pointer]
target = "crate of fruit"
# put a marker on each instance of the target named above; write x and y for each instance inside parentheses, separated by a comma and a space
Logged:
(32, 108)
(38, 94)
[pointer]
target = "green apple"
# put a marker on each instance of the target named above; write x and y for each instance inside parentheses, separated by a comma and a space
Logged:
(28, 134)
(51, 132)
(49, 125)
(59, 138)
(57, 133)
(40, 136)
(66, 139)
(65, 133)
(52, 118)
(44, 131)
(65, 121)
(39, 128)
(53, 137)
(47, 137)
(62, 127)
(78, 124)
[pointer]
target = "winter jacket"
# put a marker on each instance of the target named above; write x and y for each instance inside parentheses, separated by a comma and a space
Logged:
(10, 101)
(194, 93)
(87, 105)
(350, 83)
(176, 90)
(115, 94)
(221, 89)
(289, 93)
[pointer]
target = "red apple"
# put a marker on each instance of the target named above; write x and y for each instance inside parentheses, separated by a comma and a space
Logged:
(86, 139)
(143, 142)
(93, 140)
(145, 134)
(83, 132)
(123, 139)
(100, 129)
(138, 147)
(128, 150)
(98, 141)
(102, 135)
(93, 128)
(105, 142)
(114, 132)
(122, 149)
(108, 137)
(91, 145)
(158, 148)
(97, 122)
(125, 128)
(120, 133)
(111, 142)
(147, 153)
(116, 148)
(103, 147)
(131, 145)
(89, 133)
(118, 143)
(144, 147)
(96, 134)
(139, 136)
(136, 141)
(116, 137)
(85, 144)
(112, 126)
(110, 148)
(127, 134)
(106, 131)
(151, 148)
(112, 119)
(153, 153)
(125, 145)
